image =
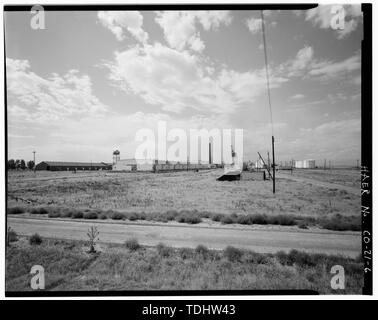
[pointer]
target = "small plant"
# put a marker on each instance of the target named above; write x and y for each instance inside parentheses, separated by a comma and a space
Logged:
(117, 216)
(132, 216)
(163, 250)
(90, 215)
(66, 213)
(15, 210)
(132, 244)
(186, 217)
(77, 215)
(93, 237)
(35, 239)
(39, 210)
(232, 253)
(54, 214)
(302, 225)
(103, 216)
(11, 236)
(202, 250)
(217, 217)
(226, 219)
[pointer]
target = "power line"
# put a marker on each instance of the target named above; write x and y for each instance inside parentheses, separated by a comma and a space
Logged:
(266, 69)
(270, 104)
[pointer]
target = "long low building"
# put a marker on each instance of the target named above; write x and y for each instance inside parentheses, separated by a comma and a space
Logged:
(72, 166)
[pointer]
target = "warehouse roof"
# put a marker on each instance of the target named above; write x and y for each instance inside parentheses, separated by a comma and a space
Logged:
(75, 164)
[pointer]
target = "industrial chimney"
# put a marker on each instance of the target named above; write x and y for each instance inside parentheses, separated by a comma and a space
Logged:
(210, 159)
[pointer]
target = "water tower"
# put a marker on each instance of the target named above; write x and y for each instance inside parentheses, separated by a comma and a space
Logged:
(116, 156)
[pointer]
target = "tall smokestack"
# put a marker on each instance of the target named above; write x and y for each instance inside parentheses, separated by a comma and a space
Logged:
(210, 153)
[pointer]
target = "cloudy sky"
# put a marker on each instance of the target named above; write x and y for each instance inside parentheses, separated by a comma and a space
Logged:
(85, 84)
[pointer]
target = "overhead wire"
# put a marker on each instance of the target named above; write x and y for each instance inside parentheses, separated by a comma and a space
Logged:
(266, 71)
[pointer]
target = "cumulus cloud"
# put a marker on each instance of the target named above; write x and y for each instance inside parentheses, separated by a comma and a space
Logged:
(121, 22)
(34, 98)
(331, 69)
(306, 65)
(177, 80)
(322, 16)
(180, 27)
(254, 25)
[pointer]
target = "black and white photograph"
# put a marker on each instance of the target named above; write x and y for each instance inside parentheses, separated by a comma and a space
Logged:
(187, 149)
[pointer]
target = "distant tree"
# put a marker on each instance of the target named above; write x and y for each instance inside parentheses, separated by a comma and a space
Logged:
(30, 164)
(18, 164)
(22, 164)
(11, 164)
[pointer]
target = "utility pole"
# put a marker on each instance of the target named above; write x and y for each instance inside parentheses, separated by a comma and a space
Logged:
(274, 167)
(34, 160)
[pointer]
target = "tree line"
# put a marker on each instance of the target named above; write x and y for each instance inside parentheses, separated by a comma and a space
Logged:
(20, 164)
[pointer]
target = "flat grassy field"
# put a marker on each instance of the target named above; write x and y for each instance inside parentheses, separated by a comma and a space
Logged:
(69, 266)
(146, 195)
(348, 177)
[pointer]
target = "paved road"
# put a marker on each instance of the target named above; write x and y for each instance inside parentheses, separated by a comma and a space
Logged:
(265, 241)
(324, 184)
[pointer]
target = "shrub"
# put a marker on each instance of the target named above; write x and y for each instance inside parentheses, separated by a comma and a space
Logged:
(232, 253)
(185, 253)
(102, 216)
(35, 239)
(226, 219)
(54, 214)
(77, 215)
(132, 244)
(202, 250)
(66, 213)
(217, 217)
(171, 215)
(15, 210)
(132, 216)
(142, 216)
(93, 237)
(302, 225)
(282, 257)
(90, 215)
(39, 210)
(12, 235)
(256, 258)
(163, 250)
(341, 223)
(117, 216)
(205, 214)
(283, 220)
(304, 259)
(188, 217)
(244, 219)
(259, 218)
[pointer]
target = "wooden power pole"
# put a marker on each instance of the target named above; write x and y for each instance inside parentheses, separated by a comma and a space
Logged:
(274, 167)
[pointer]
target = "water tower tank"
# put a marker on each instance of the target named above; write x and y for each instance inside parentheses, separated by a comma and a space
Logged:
(116, 156)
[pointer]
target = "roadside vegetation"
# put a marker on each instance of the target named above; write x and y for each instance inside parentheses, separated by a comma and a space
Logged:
(69, 266)
(335, 222)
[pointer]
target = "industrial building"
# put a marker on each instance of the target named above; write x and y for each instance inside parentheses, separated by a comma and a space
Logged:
(72, 166)
(149, 165)
(133, 165)
(304, 164)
